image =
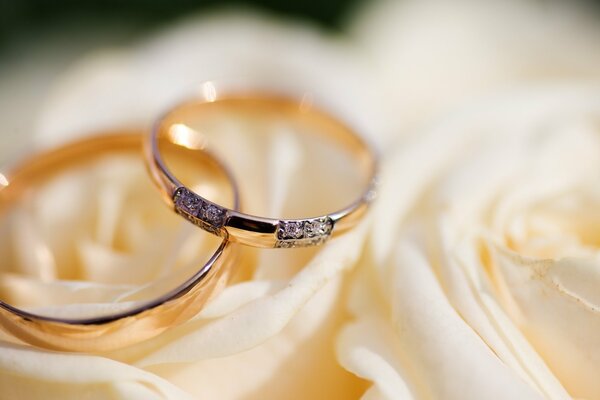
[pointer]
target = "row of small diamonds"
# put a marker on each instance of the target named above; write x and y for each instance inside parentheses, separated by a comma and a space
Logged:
(308, 229)
(289, 243)
(193, 205)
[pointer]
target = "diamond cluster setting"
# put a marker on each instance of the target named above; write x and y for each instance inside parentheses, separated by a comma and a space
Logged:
(302, 233)
(199, 211)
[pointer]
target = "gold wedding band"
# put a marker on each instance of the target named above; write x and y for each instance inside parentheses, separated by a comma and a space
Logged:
(245, 228)
(146, 320)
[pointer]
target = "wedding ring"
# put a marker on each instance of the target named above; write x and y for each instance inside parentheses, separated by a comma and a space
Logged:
(147, 318)
(245, 228)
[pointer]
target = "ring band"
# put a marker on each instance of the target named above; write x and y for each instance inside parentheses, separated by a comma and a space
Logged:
(110, 332)
(245, 228)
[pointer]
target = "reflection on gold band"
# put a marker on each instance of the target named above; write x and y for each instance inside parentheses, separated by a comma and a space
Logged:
(109, 332)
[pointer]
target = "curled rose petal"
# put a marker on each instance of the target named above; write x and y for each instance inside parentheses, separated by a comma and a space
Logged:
(31, 373)
(258, 320)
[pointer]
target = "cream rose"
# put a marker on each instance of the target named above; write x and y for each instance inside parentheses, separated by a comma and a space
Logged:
(431, 55)
(474, 277)
(479, 302)
(286, 312)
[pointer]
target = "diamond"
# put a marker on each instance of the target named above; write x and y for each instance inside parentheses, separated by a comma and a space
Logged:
(291, 230)
(213, 214)
(188, 201)
(317, 227)
(371, 195)
(286, 244)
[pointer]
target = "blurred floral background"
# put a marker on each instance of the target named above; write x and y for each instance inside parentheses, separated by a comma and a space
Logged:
(476, 275)
(39, 39)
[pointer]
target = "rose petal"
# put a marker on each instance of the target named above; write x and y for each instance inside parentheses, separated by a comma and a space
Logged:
(31, 373)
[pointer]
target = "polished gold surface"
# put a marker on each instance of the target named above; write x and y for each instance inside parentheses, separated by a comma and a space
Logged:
(249, 229)
(147, 319)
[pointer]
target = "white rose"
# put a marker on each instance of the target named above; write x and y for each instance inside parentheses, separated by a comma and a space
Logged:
(480, 302)
(286, 313)
(477, 277)
(431, 55)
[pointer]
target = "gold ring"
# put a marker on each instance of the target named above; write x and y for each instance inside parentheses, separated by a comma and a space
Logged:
(147, 319)
(245, 228)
